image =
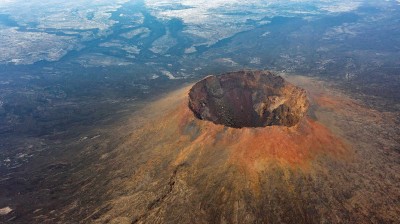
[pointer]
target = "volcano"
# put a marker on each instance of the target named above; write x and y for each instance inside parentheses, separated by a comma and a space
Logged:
(187, 165)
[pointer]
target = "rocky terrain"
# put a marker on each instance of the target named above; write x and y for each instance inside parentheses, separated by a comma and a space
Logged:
(248, 99)
(161, 164)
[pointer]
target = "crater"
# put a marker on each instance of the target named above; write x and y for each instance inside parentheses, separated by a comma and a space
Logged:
(248, 99)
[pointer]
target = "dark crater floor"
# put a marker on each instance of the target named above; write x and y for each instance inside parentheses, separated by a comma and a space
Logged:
(248, 99)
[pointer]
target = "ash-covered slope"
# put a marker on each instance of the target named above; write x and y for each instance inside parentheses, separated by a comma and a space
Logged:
(248, 99)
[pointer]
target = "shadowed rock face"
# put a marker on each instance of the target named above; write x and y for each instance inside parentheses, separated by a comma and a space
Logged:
(248, 99)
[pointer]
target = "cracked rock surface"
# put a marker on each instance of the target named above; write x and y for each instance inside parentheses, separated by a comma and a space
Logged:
(248, 99)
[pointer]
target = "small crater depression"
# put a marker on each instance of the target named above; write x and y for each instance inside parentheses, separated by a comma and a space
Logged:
(248, 99)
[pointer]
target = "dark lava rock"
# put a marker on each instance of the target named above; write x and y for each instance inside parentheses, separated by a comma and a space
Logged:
(248, 99)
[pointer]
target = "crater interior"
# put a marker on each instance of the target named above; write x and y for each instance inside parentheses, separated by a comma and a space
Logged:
(248, 99)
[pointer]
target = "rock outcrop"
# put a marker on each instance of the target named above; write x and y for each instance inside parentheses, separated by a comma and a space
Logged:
(248, 99)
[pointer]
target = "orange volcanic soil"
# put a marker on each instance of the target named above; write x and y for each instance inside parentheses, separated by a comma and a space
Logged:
(253, 147)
